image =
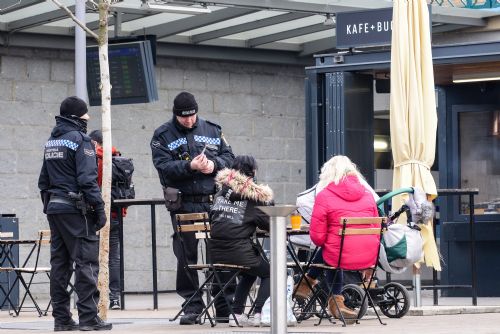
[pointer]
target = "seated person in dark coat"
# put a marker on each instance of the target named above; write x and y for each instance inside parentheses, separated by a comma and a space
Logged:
(234, 220)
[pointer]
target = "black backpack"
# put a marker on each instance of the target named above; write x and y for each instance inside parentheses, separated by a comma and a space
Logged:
(121, 178)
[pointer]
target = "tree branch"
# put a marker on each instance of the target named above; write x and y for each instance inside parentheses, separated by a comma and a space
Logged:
(78, 22)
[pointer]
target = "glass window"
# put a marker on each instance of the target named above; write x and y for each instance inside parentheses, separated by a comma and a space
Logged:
(479, 152)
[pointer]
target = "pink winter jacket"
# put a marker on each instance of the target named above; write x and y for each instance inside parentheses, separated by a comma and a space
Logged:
(347, 199)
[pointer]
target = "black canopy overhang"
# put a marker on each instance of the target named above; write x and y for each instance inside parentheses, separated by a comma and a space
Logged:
(448, 54)
(233, 8)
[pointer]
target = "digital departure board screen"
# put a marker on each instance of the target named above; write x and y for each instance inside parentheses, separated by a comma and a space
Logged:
(131, 73)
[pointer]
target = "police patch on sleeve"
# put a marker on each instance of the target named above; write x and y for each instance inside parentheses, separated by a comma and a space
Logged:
(55, 153)
(88, 152)
(155, 144)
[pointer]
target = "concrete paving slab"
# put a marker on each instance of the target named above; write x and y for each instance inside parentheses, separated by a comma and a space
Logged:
(450, 310)
(457, 316)
(446, 324)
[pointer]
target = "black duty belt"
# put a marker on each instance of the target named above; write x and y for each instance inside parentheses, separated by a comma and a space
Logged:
(198, 198)
(62, 200)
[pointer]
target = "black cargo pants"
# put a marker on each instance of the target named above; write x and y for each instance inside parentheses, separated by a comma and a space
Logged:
(73, 242)
(186, 251)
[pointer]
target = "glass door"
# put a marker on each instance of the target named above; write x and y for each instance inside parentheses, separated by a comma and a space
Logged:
(476, 132)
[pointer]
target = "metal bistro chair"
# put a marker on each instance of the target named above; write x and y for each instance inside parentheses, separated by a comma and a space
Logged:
(350, 227)
(198, 223)
(298, 240)
(304, 309)
(31, 272)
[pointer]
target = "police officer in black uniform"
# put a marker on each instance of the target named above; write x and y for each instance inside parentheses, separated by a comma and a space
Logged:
(75, 211)
(187, 152)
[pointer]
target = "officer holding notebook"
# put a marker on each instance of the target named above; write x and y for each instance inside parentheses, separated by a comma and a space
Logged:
(187, 152)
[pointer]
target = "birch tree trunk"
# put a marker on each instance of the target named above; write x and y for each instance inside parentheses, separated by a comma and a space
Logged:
(103, 280)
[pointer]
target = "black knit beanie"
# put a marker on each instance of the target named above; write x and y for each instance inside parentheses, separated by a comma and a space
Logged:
(73, 106)
(185, 105)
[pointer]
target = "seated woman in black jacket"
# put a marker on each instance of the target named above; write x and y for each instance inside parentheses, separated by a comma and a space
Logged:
(234, 219)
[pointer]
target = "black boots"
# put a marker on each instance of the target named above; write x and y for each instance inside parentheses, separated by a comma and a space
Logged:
(96, 325)
(70, 325)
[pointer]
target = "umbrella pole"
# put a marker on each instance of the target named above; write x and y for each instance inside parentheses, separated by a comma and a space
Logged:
(417, 301)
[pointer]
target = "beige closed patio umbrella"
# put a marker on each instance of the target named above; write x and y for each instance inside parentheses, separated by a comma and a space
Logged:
(413, 108)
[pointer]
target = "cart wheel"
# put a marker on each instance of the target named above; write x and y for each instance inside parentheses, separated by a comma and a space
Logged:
(396, 301)
(353, 296)
(303, 309)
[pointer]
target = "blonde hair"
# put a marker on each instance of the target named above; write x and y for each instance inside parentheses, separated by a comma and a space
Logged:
(335, 170)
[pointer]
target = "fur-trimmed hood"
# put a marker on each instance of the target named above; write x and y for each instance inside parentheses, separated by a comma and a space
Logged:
(243, 185)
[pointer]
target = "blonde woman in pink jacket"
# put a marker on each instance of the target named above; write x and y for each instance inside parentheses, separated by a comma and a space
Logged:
(341, 194)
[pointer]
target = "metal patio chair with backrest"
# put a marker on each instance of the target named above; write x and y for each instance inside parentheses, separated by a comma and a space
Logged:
(303, 307)
(351, 227)
(199, 224)
(31, 272)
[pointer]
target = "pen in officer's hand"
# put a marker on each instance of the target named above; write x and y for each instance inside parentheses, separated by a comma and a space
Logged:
(203, 151)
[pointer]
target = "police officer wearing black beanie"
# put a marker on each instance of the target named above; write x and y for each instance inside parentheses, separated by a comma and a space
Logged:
(187, 152)
(75, 211)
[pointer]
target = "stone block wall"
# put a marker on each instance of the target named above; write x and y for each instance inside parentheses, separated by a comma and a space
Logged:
(260, 108)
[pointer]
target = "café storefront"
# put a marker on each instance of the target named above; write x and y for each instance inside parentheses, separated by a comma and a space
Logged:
(340, 119)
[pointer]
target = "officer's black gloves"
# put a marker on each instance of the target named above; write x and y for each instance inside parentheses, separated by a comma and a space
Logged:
(100, 217)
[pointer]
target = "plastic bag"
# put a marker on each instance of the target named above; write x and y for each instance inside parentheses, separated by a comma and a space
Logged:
(305, 203)
(266, 309)
(401, 247)
(265, 319)
(290, 317)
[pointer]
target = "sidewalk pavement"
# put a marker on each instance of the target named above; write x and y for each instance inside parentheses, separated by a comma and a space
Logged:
(454, 315)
